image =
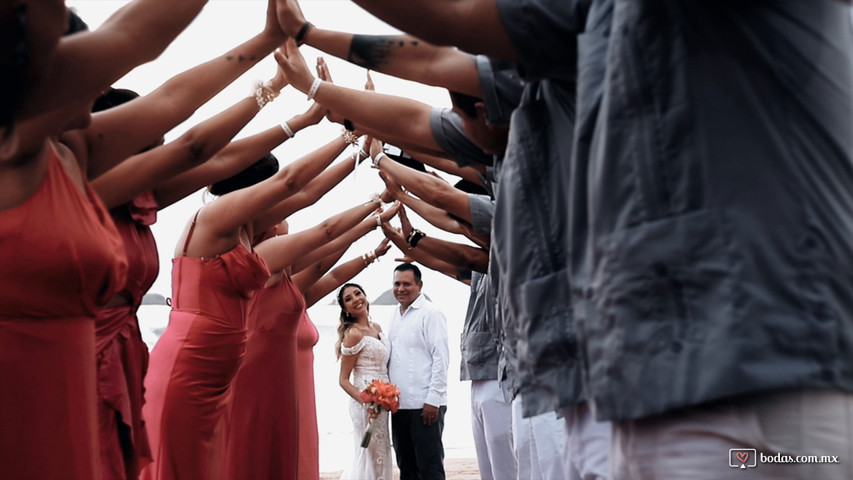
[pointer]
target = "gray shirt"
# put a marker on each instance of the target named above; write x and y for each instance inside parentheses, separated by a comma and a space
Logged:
(720, 205)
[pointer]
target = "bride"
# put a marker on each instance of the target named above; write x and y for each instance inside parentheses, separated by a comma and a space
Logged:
(364, 351)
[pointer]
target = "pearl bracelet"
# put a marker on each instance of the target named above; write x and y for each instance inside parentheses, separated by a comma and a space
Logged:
(314, 87)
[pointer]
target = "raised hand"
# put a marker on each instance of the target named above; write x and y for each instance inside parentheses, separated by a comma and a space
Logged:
(369, 84)
(290, 16)
(383, 248)
(391, 186)
(272, 26)
(292, 63)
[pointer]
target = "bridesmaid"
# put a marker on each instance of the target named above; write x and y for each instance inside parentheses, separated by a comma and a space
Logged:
(214, 274)
(262, 428)
(61, 254)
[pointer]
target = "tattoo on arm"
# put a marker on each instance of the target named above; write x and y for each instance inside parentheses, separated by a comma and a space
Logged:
(372, 51)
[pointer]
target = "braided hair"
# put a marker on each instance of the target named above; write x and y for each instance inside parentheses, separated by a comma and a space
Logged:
(346, 320)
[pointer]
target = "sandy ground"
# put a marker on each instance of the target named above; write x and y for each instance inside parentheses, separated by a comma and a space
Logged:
(455, 469)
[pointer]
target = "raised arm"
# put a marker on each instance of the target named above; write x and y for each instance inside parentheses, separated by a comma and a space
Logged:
(135, 34)
(120, 132)
(233, 159)
(473, 25)
(399, 240)
(145, 171)
(388, 117)
(460, 255)
(402, 56)
(342, 274)
(317, 242)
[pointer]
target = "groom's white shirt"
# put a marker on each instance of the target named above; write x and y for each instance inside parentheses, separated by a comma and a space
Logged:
(419, 354)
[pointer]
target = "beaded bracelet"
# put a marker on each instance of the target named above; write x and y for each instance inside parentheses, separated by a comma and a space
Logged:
(287, 130)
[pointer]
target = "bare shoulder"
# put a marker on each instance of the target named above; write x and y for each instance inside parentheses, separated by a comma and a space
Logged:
(352, 336)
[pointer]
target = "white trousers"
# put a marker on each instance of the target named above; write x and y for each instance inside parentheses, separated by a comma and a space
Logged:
(588, 448)
(540, 445)
(702, 442)
(491, 421)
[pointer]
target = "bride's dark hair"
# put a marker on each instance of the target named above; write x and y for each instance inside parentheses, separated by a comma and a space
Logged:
(346, 320)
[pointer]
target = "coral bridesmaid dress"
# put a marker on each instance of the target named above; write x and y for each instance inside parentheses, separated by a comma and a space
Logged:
(60, 259)
(122, 356)
(262, 436)
(195, 360)
(309, 438)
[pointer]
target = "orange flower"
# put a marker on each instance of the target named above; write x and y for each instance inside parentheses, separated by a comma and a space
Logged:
(381, 395)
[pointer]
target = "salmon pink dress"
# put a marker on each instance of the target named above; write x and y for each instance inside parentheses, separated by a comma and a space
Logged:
(60, 259)
(262, 437)
(122, 356)
(195, 360)
(309, 438)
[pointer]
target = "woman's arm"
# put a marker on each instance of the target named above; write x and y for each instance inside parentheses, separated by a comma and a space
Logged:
(144, 171)
(341, 274)
(135, 34)
(117, 133)
(233, 159)
(351, 338)
(318, 242)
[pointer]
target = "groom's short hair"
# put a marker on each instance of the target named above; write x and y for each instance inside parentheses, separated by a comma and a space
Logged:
(408, 267)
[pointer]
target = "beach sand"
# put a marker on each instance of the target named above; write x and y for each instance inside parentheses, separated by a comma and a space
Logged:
(455, 469)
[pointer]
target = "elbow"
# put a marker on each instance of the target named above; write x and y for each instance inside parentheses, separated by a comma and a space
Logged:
(195, 148)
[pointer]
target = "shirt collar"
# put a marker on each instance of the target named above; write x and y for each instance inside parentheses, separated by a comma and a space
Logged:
(416, 304)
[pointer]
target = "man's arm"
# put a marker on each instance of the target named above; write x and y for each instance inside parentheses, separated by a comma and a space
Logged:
(435, 331)
(473, 25)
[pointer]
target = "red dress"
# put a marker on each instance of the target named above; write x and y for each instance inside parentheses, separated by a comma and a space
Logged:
(195, 360)
(262, 437)
(60, 259)
(122, 356)
(309, 438)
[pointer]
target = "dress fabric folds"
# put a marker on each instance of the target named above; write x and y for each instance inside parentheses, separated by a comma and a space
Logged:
(193, 363)
(309, 438)
(373, 462)
(122, 356)
(60, 259)
(261, 429)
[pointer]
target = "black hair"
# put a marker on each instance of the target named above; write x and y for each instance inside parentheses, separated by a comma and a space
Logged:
(259, 171)
(346, 320)
(408, 267)
(470, 187)
(113, 98)
(75, 23)
(465, 103)
(14, 60)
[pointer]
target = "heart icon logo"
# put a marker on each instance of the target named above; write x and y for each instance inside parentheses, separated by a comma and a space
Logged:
(742, 456)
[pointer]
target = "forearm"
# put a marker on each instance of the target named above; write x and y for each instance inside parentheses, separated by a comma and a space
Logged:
(317, 187)
(136, 34)
(304, 170)
(471, 173)
(116, 133)
(472, 25)
(435, 216)
(457, 254)
(428, 188)
(332, 280)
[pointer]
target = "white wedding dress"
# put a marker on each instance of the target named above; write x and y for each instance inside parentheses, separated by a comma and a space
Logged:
(373, 462)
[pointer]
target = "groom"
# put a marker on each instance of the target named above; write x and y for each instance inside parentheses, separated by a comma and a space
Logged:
(418, 366)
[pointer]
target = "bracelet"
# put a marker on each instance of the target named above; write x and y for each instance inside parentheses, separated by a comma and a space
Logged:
(349, 137)
(378, 220)
(264, 93)
(314, 87)
(375, 160)
(289, 131)
(348, 125)
(415, 237)
(302, 31)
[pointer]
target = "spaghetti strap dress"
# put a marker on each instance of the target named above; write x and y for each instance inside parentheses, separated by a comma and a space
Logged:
(309, 438)
(193, 363)
(261, 433)
(122, 356)
(60, 259)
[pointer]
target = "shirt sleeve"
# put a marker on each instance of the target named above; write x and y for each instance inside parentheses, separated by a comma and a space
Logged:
(451, 137)
(532, 24)
(482, 211)
(436, 334)
(502, 87)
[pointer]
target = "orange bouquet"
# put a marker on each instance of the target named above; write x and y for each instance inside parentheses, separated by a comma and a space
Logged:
(379, 395)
